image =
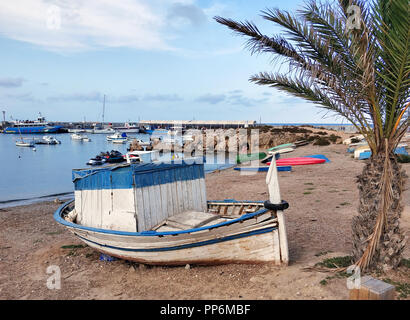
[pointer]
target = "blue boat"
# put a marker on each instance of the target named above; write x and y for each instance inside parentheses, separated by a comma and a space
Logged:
(29, 127)
(367, 154)
(263, 169)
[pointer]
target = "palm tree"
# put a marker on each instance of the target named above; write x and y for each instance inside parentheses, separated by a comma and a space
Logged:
(351, 58)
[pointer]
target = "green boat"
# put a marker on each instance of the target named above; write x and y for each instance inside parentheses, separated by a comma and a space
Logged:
(249, 157)
(281, 146)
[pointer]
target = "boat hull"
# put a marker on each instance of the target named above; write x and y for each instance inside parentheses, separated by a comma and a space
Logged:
(263, 169)
(298, 161)
(251, 238)
(32, 130)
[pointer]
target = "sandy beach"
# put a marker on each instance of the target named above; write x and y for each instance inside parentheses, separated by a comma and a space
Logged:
(323, 199)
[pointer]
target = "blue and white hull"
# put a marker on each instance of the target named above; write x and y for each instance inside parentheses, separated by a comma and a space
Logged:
(31, 130)
(251, 238)
(157, 213)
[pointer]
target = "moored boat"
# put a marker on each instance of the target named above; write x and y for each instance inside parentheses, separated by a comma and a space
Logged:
(119, 141)
(48, 140)
(31, 127)
(77, 136)
(118, 136)
(114, 157)
(141, 156)
(22, 143)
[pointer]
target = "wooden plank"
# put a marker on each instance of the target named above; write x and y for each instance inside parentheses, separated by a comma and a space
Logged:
(172, 240)
(175, 198)
(163, 197)
(170, 200)
(147, 208)
(275, 198)
(140, 210)
(180, 197)
(193, 219)
(233, 251)
(203, 194)
(169, 241)
(167, 228)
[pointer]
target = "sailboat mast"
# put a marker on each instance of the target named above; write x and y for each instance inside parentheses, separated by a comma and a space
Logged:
(103, 112)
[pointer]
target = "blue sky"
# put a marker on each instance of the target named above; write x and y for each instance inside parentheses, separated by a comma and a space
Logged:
(153, 59)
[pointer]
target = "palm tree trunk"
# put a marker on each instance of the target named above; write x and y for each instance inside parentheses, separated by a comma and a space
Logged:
(392, 240)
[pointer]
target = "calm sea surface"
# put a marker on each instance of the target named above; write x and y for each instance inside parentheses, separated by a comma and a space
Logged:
(28, 176)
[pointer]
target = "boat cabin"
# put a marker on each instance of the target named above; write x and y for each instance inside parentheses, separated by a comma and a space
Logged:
(137, 197)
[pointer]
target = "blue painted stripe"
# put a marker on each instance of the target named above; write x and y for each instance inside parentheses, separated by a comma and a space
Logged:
(136, 175)
(263, 169)
(186, 246)
(39, 129)
(59, 219)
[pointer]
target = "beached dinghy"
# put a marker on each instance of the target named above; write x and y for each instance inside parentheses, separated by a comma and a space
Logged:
(157, 213)
(244, 157)
(283, 146)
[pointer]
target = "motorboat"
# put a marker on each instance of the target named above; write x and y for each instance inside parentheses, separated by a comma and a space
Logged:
(76, 136)
(142, 156)
(117, 136)
(128, 128)
(114, 157)
(96, 161)
(107, 130)
(119, 141)
(48, 140)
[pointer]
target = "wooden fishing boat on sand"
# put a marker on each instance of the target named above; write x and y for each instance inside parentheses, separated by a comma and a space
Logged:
(157, 213)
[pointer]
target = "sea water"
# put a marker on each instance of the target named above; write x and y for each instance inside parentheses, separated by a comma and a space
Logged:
(28, 176)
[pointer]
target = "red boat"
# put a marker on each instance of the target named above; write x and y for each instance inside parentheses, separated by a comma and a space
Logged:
(297, 161)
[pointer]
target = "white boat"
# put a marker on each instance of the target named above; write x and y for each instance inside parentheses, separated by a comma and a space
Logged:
(76, 130)
(142, 156)
(157, 213)
(360, 149)
(48, 140)
(119, 141)
(283, 150)
(22, 143)
(349, 140)
(128, 128)
(101, 131)
(117, 136)
(76, 136)
(80, 137)
(143, 143)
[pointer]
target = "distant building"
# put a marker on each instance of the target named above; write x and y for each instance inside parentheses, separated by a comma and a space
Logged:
(209, 124)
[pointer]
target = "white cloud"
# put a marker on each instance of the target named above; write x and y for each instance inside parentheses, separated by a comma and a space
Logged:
(78, 25)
